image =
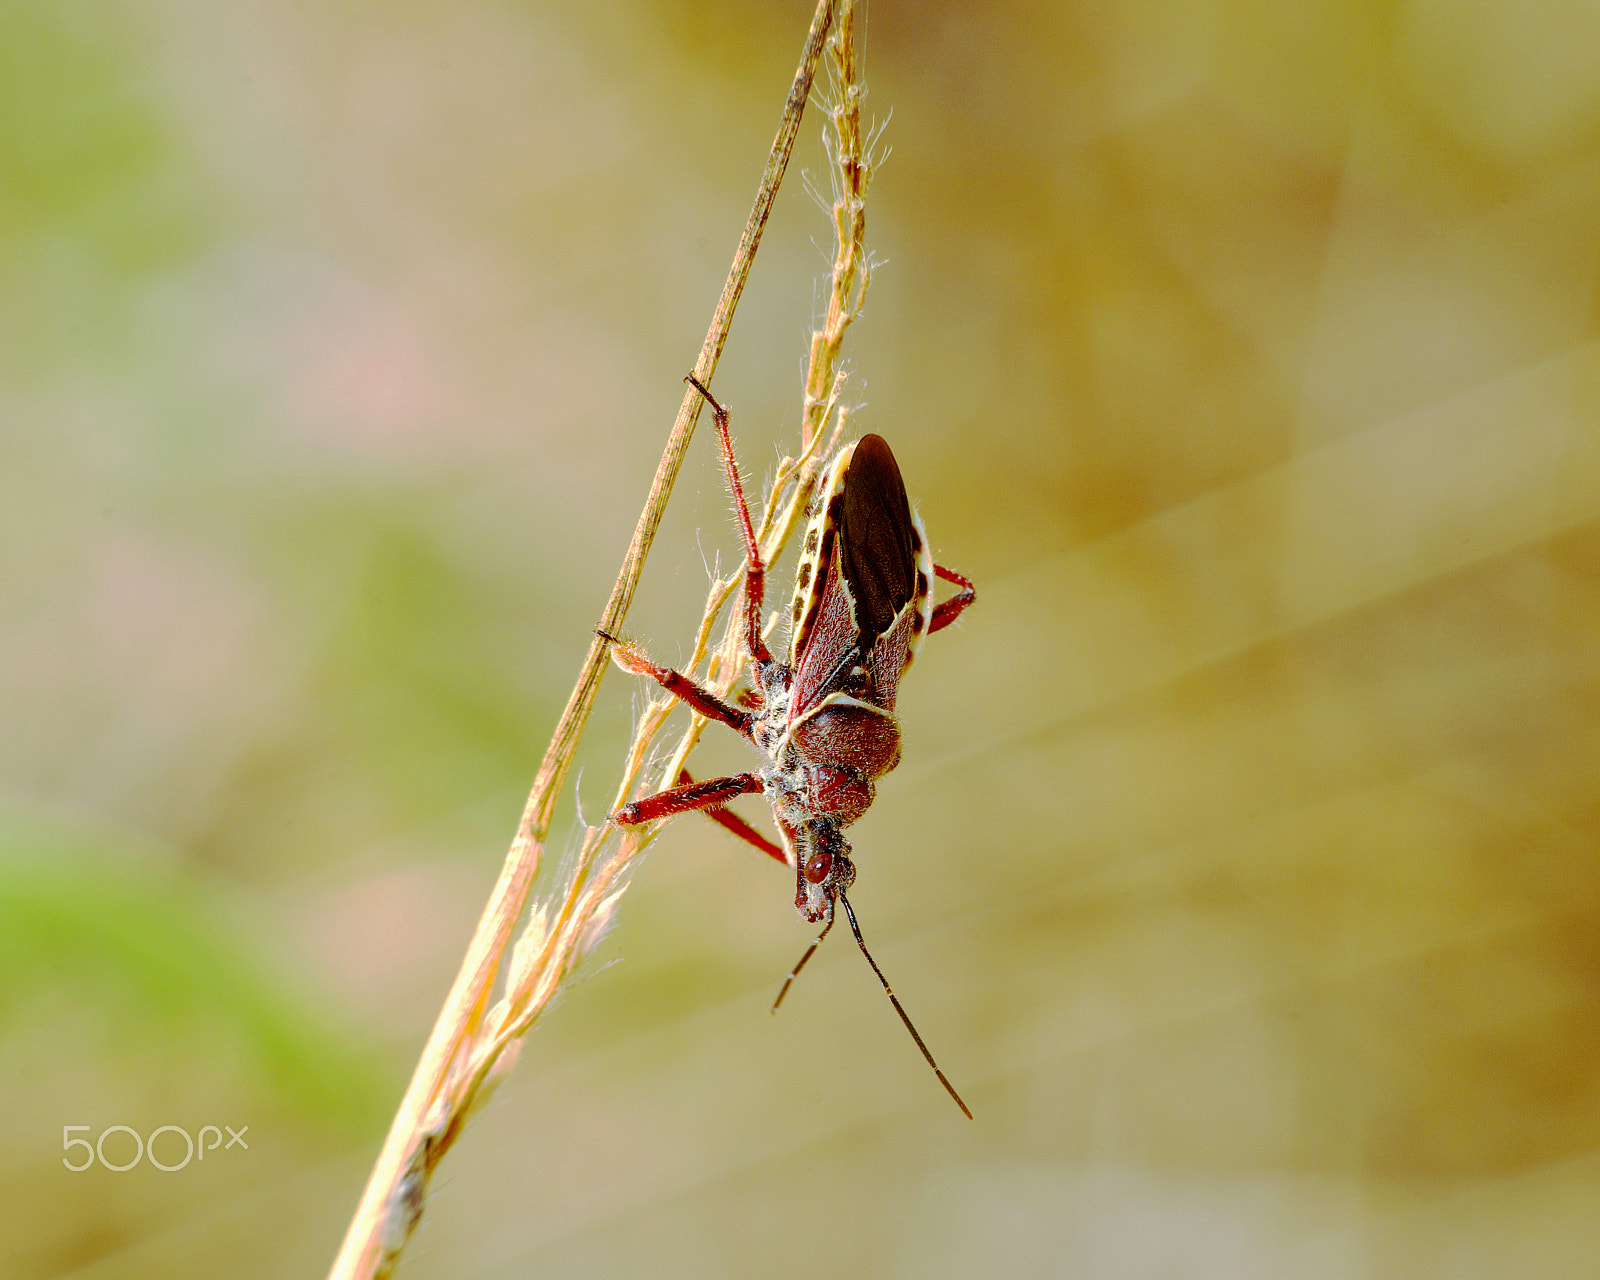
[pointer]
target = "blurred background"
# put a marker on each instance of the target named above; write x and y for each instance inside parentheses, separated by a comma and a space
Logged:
(1241, 871)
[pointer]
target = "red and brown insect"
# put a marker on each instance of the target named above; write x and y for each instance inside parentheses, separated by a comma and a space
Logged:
(863, 602)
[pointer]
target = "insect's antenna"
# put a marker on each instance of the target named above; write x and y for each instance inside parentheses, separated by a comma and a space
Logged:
(795, 972)
(898, 1008)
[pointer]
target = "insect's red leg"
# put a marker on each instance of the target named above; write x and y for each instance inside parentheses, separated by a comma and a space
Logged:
(950, 610)
(734, 823)
(680, 686)
(697, 795)
(755, 573)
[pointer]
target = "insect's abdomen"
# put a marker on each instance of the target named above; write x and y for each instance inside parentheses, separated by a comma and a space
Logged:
(849, 736)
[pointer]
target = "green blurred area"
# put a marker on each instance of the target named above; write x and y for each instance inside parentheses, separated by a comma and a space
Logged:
(1240, 870)
(89, 921)
(99, 192)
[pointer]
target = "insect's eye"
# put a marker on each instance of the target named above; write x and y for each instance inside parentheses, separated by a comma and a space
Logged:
(818, 865)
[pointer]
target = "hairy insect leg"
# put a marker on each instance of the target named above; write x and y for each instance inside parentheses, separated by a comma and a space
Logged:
(950, 610)
(810, 951)
(898, 1007)
(755, 573)
(632, 660)
(734, 823)
(697, 795)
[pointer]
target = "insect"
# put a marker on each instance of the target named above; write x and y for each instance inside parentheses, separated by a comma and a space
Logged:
(824, 717)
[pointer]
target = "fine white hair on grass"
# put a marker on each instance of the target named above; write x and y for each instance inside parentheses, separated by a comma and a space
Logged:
(577, 797)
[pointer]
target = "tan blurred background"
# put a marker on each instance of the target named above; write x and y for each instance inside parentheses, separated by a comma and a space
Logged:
(1242, 868)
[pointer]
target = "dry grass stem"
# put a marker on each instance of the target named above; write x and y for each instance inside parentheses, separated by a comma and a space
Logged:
(560, 931)
(474, 1045)
(853, 160)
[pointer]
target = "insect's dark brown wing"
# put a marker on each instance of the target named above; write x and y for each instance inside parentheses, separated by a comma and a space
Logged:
(876, 542)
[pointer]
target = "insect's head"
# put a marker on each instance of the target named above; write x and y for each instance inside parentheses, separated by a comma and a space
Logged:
(825, 868)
